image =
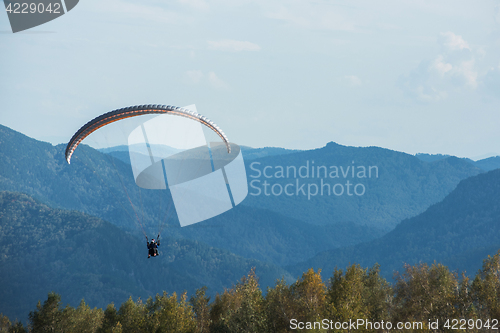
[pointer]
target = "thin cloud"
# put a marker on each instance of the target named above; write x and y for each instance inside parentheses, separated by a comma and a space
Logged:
(353, 80)
(197, 77)
(430, 94)
(454, 42)
(216, 82)
(314, 15)
(141, 12)
(466, 69)
(491, 82)
(481, 52)
(422, 84)
(233, 45)
(193, 77)
(196, 4)
(442, 67)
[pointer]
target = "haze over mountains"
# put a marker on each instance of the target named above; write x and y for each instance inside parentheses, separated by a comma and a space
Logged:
(281, 235)
(400, 185)
(486, 164)
(100, 185)
(80, 256)
(458, 232)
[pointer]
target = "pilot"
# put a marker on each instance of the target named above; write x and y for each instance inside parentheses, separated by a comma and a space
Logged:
(152, 247)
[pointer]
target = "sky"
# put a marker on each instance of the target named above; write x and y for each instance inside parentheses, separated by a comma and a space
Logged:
(415, 76)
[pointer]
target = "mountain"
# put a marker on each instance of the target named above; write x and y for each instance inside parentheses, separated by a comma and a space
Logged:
(94, 183)
(457, 232)
(121, 152)
(413, 182)
(270, 237)
(253, 153)
(283, 230)
(80, 256)
(103, 186)
(368, 186)
(431, 157)
(105, 261)
(100, 185)
(486, 164)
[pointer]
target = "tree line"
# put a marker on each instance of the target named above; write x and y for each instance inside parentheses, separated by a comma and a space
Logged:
(420, 294)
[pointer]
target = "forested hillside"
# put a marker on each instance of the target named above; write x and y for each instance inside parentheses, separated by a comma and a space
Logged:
(486, 164)
(100, 185)
(458, 231)
(423, 299)
(402, 185)
(398, 186)
(80, 256)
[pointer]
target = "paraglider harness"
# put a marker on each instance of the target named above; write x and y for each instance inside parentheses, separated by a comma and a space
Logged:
(153, 246)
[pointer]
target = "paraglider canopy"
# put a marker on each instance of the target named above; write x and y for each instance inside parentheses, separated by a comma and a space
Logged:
(133, 111)
(204, 177)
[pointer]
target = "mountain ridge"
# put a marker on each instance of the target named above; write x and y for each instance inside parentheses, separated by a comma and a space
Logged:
(404, 186)
(466, 221)
(82, 256)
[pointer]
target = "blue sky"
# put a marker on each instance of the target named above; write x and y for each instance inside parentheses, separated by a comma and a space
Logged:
(413, 76)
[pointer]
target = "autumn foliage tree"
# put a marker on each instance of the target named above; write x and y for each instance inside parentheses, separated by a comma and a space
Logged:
(239, 309)
(486, 288)
(421, 293)
(426, 293)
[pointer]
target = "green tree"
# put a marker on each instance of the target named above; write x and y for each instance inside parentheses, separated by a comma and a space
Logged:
(117, 328)
(167, 314)
(309, 295)
(486, 288)
(201, 307)
(4, 323)
(345, 294)
(424, 293)
(110, 319)
(219, 312)
(83, 319)
(239, 309)
(465, 307)
(17, 327)
(378, 295)
(132, 316)
(49, 317)
(279, 307)
(358, 293)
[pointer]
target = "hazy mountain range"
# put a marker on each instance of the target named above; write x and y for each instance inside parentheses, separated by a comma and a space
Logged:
(44, 249)
(486, 164)
(282, 235)
(396, 185)
(458, 232)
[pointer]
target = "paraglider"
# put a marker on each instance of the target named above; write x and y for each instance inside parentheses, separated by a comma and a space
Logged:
(133, 111)
(153, 247)
(168, 150)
